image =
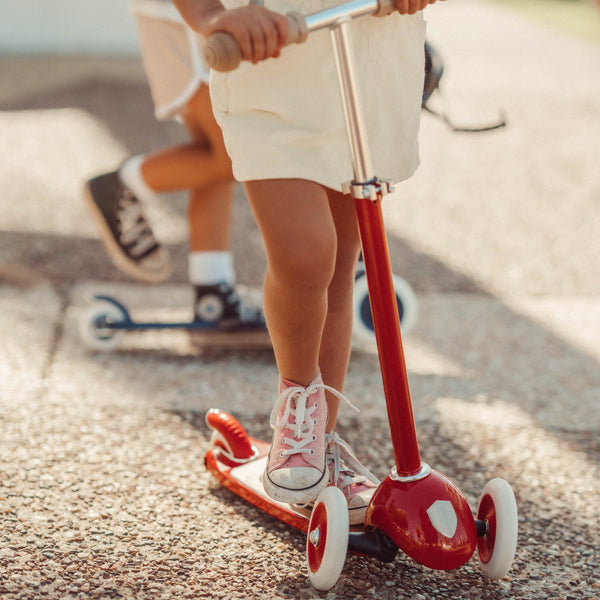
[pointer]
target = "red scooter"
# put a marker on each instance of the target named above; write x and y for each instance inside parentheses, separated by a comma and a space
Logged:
(415, 509)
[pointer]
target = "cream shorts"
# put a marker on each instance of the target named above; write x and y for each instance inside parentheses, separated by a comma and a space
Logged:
(171, 53)
(283, 118)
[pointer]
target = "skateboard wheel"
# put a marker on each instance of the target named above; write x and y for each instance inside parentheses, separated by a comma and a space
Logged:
(498, 510)
(229, 436)
(327, 538)
(363, 328)
(95, 327)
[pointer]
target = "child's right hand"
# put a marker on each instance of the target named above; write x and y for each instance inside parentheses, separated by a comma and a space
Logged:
(410, 7)
(261, 33)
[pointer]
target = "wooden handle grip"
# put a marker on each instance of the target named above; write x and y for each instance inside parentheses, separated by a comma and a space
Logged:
(223, 53)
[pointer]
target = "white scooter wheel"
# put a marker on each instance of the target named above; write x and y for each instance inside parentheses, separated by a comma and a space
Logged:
(327, 541)
(498, 510)
(363, 328)
(93, 329)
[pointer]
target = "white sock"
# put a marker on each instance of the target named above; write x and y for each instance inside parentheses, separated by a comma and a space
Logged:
(131, 174)
(210, 268)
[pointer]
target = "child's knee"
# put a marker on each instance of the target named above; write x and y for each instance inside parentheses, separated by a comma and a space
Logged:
(308, 262)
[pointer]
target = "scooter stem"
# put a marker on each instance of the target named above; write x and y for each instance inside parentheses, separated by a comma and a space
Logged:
(368, 192)
(419, 509)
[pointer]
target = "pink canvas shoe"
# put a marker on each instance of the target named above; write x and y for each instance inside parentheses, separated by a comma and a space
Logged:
(346, 472)
(296, 469)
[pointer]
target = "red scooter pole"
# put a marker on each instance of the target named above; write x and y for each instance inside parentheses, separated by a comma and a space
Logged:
(421, 510)
(386, 321)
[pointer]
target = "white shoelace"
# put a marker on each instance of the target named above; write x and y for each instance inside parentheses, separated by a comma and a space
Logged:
(303, 423)
(134, 229)
(355, 472)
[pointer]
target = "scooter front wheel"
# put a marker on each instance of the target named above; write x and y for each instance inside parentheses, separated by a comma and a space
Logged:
(498, 510)
(327, 541)
(95, 326)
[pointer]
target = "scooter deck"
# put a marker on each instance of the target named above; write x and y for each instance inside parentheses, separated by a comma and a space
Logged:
(111, 317)
(245, 480)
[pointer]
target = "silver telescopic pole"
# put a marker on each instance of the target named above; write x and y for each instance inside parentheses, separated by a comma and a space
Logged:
(330, 16)
(355, 125)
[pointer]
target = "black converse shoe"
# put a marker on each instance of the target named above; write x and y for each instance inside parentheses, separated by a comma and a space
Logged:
(125, 232)
(220, 305)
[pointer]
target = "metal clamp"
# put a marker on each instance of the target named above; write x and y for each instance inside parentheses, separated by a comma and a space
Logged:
(423, 472)
(369, 190)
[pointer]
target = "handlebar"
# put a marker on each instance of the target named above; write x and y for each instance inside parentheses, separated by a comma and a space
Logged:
(223, 53)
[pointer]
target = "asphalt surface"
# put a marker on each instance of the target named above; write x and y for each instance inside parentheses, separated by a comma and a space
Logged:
(103, 492)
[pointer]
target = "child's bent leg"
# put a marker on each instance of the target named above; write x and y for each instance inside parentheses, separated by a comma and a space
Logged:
(196, 165)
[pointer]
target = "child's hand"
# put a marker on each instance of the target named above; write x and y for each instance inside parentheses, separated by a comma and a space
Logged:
(410, 7)
(261, 33)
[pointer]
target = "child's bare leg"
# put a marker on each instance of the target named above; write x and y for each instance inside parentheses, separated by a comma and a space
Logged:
(209, 218)
(196, 165)
(300, 241)
(312, 242)
(336, 343)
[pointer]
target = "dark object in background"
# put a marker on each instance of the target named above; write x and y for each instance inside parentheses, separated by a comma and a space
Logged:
(434, 69)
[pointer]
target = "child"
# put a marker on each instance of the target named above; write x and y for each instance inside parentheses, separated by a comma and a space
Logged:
(178, 79)
(283, 126)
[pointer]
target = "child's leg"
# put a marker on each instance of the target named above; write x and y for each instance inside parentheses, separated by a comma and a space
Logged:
(116, 199)
(336, 342)
(210, 182)
(209, 217)
(196, 165)
(300, 241)
(312, 242)
(207, 173)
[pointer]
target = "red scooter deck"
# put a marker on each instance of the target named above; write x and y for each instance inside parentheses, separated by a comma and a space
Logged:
(245, 480)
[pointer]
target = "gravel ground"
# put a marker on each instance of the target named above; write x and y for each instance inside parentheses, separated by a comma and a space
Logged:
(103, 491)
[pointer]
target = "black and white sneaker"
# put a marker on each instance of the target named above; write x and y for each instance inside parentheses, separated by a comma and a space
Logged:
(221, 305)
(126, 234)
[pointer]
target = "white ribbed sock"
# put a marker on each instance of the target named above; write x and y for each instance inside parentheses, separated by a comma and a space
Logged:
(131, 174)
(210, 268)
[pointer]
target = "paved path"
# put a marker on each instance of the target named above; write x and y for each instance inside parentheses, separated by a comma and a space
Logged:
(103, 493)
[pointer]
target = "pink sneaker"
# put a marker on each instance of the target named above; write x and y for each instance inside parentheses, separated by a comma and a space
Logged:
(295, 470)
(346, 472)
